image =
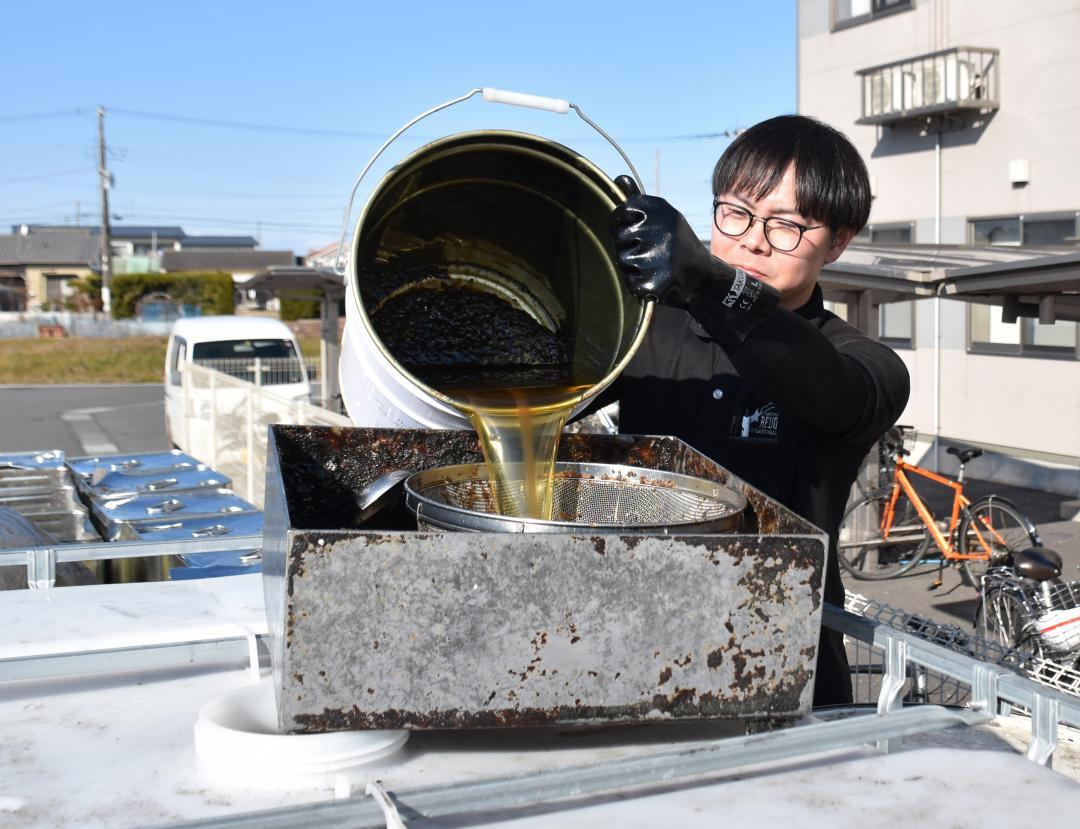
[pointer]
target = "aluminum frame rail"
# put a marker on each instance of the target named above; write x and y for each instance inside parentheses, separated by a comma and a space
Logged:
(40, 562)
(642, 774)
(238, 649)
(993, 687)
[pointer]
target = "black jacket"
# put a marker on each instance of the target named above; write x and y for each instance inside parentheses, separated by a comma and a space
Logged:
(792, 411)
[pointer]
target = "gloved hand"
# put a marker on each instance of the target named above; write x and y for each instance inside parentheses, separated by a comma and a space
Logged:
(660, 257)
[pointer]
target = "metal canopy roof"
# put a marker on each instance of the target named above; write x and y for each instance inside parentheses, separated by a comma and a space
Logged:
(1018, 276)
(296, 279)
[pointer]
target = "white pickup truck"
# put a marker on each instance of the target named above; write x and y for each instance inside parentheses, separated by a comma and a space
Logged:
(256, 349)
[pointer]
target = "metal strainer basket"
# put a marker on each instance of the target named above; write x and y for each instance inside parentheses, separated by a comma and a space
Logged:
(588, 498)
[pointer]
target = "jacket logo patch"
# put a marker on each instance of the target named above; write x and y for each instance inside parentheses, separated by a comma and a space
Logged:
(762, 423)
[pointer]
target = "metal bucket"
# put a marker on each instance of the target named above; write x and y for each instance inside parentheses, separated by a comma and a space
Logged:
(514, 217)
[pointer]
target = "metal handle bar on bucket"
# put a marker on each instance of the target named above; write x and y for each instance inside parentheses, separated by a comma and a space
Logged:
(500, 96)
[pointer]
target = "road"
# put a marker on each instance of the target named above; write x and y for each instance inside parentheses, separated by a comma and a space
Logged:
(87, 420)
(83, 420)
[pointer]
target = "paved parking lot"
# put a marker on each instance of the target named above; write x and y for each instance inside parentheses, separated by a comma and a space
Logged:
(954, 602)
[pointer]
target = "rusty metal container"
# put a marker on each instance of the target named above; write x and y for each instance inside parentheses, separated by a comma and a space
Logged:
(376, 625)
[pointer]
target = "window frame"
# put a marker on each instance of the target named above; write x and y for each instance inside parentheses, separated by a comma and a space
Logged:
(1025, 348)
(177, 360)
(904, 343)
(877, 12)
(876, 226)
(1023, 219)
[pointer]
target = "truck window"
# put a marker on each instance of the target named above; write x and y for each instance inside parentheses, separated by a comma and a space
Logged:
(278, 361)
(177, 365)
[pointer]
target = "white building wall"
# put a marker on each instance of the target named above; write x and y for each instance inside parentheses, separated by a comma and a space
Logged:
(1027, 408)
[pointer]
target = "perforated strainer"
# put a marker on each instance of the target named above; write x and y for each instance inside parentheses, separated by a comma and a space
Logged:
(588, 498)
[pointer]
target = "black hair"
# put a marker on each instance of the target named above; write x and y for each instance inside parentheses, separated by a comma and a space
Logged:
(831, 182)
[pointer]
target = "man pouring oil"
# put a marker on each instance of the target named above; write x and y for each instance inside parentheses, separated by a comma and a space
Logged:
(742, 361)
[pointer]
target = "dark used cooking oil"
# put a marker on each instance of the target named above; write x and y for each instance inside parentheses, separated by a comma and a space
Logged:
(455, 326)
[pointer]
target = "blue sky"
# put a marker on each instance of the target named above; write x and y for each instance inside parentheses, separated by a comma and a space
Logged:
(302, 73)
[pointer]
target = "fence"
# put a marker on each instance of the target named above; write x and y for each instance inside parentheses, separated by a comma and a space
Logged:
(225, 419)
(921, 684)
(23, 325)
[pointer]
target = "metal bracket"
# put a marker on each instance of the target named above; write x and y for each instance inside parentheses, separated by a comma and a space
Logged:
(892, 685)
(41, 568)
(1044, 726)
(984, 683)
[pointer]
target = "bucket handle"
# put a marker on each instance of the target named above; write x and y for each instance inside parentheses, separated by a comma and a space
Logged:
(498, 96)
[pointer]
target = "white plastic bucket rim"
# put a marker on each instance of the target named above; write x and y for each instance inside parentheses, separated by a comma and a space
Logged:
(236, 736)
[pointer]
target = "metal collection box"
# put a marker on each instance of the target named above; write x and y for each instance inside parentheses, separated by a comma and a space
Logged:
(386, 627)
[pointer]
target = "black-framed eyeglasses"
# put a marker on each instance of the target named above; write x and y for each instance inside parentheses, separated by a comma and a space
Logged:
(783, 235)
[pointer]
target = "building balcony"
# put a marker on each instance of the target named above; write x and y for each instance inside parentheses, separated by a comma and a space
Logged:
(949, 82)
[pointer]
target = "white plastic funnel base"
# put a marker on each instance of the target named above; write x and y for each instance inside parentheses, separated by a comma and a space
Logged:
(236, 737)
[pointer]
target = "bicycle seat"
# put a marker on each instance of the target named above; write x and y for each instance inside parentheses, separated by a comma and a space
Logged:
(1037, 563)
(966, 454)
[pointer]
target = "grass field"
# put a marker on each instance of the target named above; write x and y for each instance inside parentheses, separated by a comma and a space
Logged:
(92, 360)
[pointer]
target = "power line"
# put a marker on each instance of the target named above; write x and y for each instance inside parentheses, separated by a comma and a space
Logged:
(251, 125)
(41, 116)
(245, 125)
(226, 222)
(40, 176)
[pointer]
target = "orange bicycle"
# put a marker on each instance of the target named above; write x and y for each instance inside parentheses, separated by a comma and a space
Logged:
(889, 532)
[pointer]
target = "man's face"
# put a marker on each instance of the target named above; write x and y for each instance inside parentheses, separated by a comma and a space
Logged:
(793, 273)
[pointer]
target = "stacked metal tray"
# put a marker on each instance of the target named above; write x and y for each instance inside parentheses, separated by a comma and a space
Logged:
(168, 497)
(38, 486)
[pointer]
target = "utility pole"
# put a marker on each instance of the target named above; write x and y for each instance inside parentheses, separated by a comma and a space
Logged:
(78, 214)
(106, 247)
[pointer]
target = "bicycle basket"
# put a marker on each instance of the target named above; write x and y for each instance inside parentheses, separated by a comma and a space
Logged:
(1059, 623)
(1050, 611)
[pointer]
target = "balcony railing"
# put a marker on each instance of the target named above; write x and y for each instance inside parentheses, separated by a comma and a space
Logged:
(952, 81)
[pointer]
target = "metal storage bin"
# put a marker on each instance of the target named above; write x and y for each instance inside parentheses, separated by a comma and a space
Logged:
(38, 487)
(381, 626)
(163, 508)
(124, 484)
(173, 459)
(40, 459)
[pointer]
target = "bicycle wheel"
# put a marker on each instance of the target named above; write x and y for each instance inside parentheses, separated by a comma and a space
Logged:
(862, 548)
(1002, 526)
(1001, 618)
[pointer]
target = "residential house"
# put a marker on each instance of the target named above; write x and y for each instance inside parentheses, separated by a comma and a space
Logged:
(38, 265)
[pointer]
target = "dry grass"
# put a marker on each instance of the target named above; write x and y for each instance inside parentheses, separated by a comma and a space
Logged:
(83, 360)
(309, 346)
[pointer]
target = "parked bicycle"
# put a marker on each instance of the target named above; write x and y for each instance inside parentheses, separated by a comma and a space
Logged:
(1024, 605)
(890, 531)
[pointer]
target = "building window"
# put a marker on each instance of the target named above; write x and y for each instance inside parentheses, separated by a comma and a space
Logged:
(853, 12)
(1041, 229)
(838, 307)
(887, 234)
(1050, 231)
(987, 334)
(995, 231)
(896, 324)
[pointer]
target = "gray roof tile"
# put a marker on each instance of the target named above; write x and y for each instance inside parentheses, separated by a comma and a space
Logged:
(76, 246)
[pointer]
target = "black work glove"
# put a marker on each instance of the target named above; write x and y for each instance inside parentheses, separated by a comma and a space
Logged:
(660, 257)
